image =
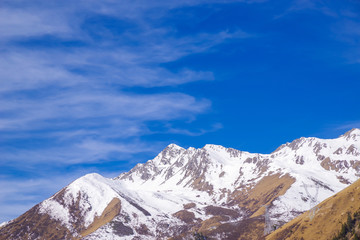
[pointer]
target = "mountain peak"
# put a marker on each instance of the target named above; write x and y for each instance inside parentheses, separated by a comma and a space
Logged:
(352, 134)
(90, 194)
(173, 146)
(169, 153)
(213, 146)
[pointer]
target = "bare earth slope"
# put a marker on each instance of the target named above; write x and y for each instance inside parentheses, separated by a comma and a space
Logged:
(221, 192)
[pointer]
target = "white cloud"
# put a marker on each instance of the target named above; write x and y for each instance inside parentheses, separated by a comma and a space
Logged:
(200, 132)
(88, 150)
(23, 69)
(301, 5)
(98, 67)
(15, 23)
(96, 108)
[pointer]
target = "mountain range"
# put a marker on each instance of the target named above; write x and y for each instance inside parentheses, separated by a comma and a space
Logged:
(218, 192)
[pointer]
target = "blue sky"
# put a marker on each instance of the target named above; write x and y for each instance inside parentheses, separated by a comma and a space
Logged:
(98, 86)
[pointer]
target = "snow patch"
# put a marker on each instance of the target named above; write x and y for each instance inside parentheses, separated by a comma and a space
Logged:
(3, 224)
(57, 212)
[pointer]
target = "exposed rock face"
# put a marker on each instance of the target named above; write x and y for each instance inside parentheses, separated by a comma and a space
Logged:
(222, 192)
(189, 205)
(185, 216)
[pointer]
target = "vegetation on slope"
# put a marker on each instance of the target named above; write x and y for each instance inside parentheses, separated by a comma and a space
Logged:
(350, 230)
(199, 236)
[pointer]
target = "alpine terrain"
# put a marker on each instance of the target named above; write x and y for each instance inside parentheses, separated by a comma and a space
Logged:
(217, 192)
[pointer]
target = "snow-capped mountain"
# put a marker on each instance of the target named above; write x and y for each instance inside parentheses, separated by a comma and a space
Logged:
(221, 192)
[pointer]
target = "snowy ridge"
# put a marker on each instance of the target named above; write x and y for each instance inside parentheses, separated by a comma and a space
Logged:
(302, 157)
(303, 160)
(91, 193)
(330, 164)
(3, 224)
(153, 195)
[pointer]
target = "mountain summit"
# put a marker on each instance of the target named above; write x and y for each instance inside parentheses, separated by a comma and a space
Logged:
(222, 193)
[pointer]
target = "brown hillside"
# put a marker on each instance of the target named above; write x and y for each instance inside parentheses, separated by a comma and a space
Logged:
(111, 211)
(35, 225)
(327, 220)
(41, 227)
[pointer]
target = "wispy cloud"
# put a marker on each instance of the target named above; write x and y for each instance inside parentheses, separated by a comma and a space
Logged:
(344, 25)
(199, 132)
(80, 83)
(102, 66)
(302, 5)
(89, 126)
(349, 125)
(18, 22)
(347, 30)
(90, 107)
(25, 193)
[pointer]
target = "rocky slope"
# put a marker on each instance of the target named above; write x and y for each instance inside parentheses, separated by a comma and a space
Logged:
(221, 192)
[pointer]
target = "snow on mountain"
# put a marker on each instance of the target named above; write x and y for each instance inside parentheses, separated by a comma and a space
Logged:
(91, 193)
(215, 168)
(3, 224)
(208, 189)
(329, 164)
